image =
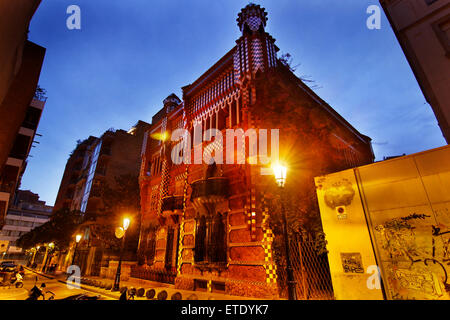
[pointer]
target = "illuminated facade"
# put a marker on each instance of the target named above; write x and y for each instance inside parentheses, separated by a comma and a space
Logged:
(206, 225)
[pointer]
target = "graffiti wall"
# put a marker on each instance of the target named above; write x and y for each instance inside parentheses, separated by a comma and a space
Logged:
(406, 205)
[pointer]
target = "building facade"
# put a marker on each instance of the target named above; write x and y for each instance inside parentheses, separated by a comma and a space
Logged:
(25, 213)
(422, 28)
(20, 107)
(15, 164)
(94, 163)
(206, 223)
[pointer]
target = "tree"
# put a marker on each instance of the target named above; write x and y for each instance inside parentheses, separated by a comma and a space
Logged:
(120, 199)
(59, 230)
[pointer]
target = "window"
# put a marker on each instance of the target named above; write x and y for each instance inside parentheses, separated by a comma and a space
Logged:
(210, 239)
(20, 147)
(32, 117)
(442, 30)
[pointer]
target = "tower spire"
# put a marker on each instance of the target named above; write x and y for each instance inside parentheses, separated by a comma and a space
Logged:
(252, 18)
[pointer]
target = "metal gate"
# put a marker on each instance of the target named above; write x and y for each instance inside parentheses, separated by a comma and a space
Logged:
(311, 271)
(97, 262)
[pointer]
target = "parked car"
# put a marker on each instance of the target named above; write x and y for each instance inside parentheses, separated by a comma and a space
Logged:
(8, 266)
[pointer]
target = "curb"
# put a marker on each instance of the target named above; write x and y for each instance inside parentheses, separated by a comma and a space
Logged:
(73, 285)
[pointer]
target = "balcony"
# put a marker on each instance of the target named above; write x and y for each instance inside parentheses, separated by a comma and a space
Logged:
(7, 187)
(172, 205)
(210, 190)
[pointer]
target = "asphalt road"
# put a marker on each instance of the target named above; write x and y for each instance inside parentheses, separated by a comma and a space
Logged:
(59, 289)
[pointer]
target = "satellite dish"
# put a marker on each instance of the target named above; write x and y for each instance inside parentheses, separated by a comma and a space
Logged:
(119, 232)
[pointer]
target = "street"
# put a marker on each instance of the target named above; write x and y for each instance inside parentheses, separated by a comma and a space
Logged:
(60, 290)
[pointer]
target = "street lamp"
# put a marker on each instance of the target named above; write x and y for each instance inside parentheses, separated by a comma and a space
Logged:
(77, 240)
(280, 174)
(120, 233)
(280, 177)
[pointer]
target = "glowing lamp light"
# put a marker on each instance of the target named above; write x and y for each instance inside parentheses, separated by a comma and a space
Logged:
(280, 174)
(51, 244)
(78, 238)
(126, 223)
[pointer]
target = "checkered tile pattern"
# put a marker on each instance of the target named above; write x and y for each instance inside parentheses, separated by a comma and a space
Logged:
(180, 243)
(251, 213)
(269, 264)
(254, 23)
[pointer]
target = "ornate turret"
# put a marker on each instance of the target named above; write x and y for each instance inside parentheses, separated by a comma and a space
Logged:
(171, 102)
(252, 18)
(255, 50)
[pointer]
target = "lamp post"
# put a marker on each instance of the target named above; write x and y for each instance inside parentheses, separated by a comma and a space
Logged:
(120, 233)
(34, 255)
(77, 240)
(280, 177)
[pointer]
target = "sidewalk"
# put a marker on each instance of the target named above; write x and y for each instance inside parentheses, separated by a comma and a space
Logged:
(11, 293)
(101, 286)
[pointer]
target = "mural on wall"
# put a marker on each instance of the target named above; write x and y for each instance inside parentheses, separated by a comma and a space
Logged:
(352, 262)
(340, 193)
(415, 256)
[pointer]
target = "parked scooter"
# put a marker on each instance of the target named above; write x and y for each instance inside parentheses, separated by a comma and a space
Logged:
(15, 280)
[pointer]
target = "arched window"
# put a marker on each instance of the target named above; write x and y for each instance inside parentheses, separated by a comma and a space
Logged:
(210, 240)
(218, 240)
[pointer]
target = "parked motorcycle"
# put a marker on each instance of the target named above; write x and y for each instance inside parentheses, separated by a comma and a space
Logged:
(36, 292)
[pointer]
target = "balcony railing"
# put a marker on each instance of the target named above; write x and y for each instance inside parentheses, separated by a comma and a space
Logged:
(7, 187)
(172, 203)
(217, 187)
(158, 275)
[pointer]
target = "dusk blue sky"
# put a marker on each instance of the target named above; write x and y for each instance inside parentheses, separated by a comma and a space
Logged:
(130, 55)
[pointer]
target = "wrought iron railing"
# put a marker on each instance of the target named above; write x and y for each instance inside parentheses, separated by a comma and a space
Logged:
(217, 186)
(172, 203)
(158, 275)
(311, 271)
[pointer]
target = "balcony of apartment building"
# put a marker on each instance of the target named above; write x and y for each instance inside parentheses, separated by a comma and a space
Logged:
(32, 118)
(21, 145)
(172, 206)
(210, 190)
(8, 181)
